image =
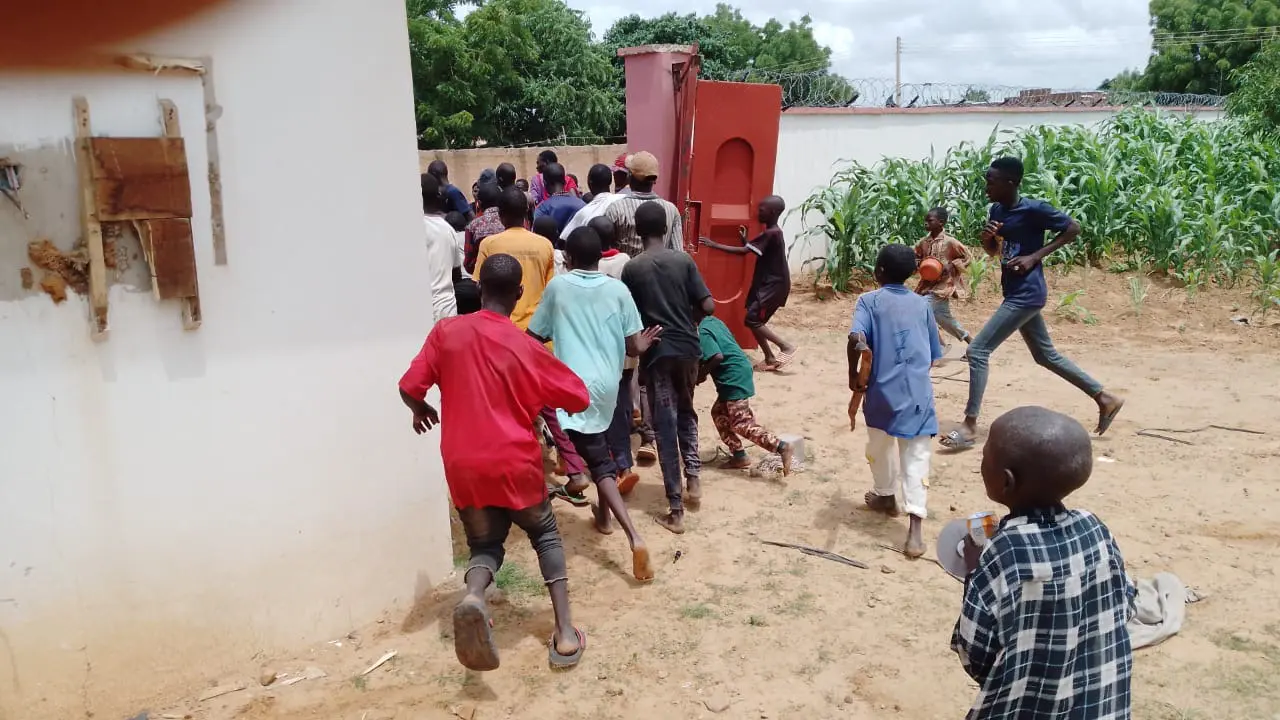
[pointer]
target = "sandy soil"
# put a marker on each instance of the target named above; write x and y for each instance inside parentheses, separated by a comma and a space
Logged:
(753, 631)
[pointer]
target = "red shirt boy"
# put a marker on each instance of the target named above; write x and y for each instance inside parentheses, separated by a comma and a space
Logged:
(494, 379)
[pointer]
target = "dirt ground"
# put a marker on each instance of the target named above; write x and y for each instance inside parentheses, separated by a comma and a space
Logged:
(737, 629)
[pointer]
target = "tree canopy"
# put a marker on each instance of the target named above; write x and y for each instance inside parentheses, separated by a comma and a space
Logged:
(512, 71)
(528, 71)
(1257, 97)
(1198, 44)
(728, 43)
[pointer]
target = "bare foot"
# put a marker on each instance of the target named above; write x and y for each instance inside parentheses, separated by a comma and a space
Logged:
(915, 539)
(693, 491)
(603, 519)
(788, 454)
(672, 521)
(566, 641)
(641, 568)
(881, 503)
(736, 463)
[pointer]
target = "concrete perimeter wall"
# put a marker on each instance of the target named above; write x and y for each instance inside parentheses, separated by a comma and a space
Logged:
(816, 142)
(466, 165)
(813, 144)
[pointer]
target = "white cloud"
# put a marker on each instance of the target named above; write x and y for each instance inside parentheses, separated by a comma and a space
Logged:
(1063, 44)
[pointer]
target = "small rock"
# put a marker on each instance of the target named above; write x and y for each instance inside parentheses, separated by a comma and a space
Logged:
(848, 699)
(466, 711)
(953, 508)
(267, 677)
(887, 570)
(662, 674)
(613, 692)
(602, 676)
(717, 703)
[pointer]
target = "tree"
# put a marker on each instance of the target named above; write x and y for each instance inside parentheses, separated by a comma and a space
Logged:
(560, 83)
(977, 95)
(445, 75)
(514, 71)
(1195, 50)
(1257, 97)
(730, 45)
(1128, 79)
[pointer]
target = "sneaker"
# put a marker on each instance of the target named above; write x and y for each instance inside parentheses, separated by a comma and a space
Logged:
(647, 454)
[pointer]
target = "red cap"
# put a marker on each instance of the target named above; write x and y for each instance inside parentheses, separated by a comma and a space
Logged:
(621, 163)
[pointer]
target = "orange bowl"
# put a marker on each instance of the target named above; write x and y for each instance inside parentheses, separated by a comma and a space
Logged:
(930, 269)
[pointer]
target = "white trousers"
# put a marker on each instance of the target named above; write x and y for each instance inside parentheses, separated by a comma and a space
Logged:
(896, 464)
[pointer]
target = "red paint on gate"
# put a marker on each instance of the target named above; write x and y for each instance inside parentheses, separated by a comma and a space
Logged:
(727, 171)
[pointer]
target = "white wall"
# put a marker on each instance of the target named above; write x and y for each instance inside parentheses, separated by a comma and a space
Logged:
(172, 502)
(814, 143)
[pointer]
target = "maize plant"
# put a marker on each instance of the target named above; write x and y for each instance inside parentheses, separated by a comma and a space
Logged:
(1195, 201)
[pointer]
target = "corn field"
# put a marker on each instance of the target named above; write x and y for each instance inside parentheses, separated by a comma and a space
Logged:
(1196, 201)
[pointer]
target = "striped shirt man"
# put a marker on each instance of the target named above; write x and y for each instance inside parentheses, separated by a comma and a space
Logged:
(623, 214)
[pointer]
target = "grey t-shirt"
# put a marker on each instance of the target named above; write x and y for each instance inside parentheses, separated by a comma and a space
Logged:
(667, 285)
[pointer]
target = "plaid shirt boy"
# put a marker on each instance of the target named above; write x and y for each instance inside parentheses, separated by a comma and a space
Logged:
(1042, 629)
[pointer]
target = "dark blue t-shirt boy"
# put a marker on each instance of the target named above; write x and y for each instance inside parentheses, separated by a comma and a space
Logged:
(1024, 228)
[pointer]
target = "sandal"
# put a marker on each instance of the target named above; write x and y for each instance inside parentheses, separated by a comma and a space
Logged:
(559, 661)
(1104, 421)
(955, 440)
(558, 492)
(473, 637)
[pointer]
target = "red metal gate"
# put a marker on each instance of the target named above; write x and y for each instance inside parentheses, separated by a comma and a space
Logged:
(728, 137)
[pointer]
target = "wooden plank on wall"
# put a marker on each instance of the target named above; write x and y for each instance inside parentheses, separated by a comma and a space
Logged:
(89, 221)
(140, 178)
(178, 259)
(170, 251)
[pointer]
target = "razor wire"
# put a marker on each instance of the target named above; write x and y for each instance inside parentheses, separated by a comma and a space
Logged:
(819, 88)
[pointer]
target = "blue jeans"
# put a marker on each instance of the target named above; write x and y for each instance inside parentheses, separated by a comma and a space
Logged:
(947, 321)
(1030, 323)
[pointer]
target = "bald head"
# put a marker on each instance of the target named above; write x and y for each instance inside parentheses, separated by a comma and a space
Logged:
(770, 210)
(1035, 456)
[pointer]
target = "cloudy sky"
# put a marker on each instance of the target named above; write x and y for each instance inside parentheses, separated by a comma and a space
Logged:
(1064, 44)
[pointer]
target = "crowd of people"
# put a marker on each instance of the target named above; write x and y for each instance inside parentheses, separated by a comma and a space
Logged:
(580, 319)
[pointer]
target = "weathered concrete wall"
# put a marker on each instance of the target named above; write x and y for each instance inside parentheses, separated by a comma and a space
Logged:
(172, 502)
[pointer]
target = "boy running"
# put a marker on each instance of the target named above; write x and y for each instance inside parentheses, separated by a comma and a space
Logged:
(594, 325)
(954, 257)
(668, 290)
(620, 428)
(770, 284)
(897, 326)
(728, 366)
(1015, 233)
(494, 380)
(1043, 628)
(537, 263)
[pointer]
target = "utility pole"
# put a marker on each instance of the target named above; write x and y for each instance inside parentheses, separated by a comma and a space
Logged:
(897, 71)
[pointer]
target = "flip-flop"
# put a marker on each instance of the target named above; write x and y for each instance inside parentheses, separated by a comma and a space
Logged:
(784, 359)
(564, 662)
(473, 637)
(558, 492)
(1104, 421)
(765, 367)
(955, 441)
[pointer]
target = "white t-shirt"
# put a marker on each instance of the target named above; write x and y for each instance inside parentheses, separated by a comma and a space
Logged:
(593, 209)
(443, 256)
